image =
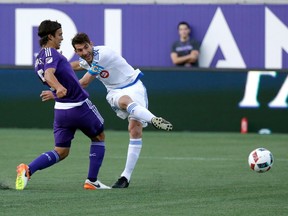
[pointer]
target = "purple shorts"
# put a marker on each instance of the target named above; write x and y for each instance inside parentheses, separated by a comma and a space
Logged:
(85, 117)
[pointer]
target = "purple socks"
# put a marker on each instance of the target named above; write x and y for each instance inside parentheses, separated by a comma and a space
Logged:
(97, 151)
(45, 160)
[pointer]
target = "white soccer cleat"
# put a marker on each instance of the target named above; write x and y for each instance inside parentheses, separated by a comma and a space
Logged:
(161, 123)
(95, 185)
(22, 176)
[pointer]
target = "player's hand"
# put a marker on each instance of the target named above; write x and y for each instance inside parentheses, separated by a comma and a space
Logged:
(46, 95)
(95, 69)
(61, 92)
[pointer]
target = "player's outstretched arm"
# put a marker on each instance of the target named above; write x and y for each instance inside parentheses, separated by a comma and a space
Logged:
(86, 79)
(76, 66)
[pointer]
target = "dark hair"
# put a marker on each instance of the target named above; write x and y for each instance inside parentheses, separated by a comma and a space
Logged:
(45, 28)
(80, 38)
(183, 23)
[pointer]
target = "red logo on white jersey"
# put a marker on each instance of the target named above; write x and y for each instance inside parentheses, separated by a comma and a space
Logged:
(104, 74)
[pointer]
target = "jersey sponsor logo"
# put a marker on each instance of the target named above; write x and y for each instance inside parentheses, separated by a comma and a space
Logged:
(104, 74)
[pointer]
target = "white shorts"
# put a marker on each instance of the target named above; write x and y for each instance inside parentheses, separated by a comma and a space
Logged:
(136, 92)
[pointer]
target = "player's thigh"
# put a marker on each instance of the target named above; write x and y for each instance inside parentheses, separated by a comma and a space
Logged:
(90, 122)
(63, 128)
(136, 92)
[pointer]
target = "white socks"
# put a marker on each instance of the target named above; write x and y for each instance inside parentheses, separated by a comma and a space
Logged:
(140, 112)
(135, 145)
(133, 154)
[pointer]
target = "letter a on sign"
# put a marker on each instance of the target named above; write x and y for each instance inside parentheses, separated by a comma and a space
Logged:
(220, 35)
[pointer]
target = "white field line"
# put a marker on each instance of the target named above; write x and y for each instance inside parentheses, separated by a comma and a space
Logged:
(192, 158)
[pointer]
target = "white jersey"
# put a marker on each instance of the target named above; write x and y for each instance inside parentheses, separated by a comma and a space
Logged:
(116, 73)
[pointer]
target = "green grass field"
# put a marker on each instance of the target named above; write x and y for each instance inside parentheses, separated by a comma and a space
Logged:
(178, 173)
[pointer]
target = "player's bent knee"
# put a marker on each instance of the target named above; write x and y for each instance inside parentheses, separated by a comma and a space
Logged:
(135, 131)
(100, 137)
(124, 101)
(62, 152)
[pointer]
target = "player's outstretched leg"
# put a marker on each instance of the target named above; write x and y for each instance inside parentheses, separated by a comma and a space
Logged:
(161, 123)
(144, 114)
(43, 161)
(22, 176)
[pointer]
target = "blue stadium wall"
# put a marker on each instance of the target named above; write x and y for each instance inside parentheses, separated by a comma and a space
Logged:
(231, 35)
(192, 99)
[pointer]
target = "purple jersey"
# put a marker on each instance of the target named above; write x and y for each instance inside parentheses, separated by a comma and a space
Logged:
(51, 58)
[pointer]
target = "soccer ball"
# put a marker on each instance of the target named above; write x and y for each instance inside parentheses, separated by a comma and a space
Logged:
(260, 160)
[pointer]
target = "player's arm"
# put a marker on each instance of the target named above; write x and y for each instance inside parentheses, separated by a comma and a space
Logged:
(47, 95)
(89, 76)
(86, 79)
(94, 70)
(76, 66)
(52, 81)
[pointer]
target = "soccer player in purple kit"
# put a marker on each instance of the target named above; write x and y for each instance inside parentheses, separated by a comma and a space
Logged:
(73, 110)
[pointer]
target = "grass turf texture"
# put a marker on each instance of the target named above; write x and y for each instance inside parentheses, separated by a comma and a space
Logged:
(178, 173)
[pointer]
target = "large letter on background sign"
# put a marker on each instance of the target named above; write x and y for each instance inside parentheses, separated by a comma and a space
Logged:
(113, 29)
(26, 19)
(280, 100)
(276, 40)
(219, 35)
(252, 87)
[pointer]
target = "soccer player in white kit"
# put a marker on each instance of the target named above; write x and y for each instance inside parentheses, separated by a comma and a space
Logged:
(126, 94)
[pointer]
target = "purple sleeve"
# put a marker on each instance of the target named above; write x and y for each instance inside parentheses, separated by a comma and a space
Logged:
(51, 59)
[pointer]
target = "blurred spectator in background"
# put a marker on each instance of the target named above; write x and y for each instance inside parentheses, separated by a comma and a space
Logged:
(185, 51)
